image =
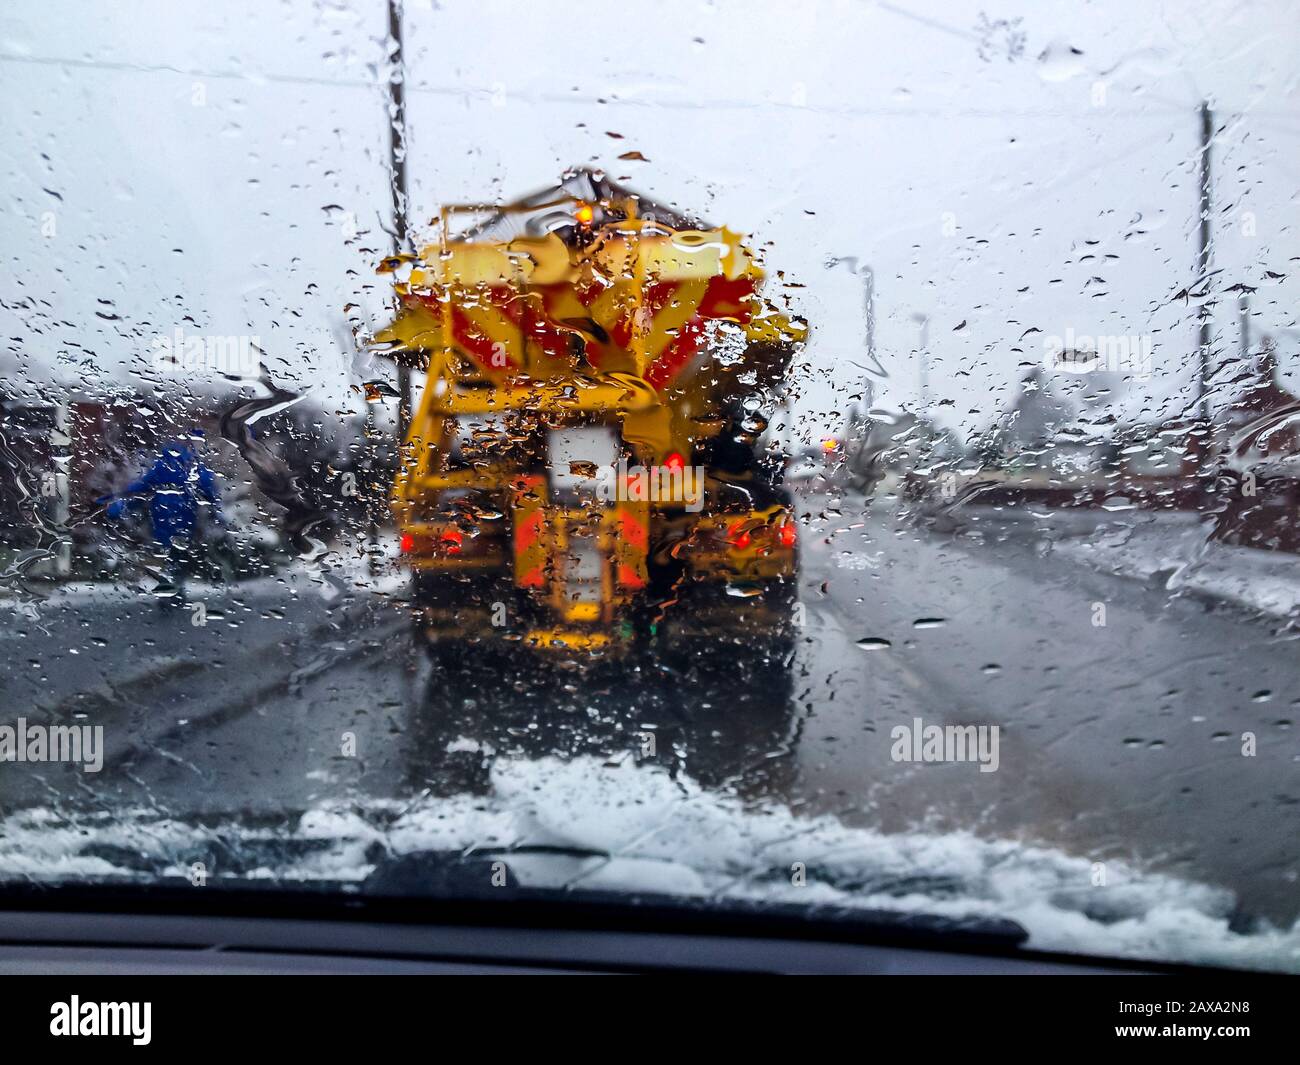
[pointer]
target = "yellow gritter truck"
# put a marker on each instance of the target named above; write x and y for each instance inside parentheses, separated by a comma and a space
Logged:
(587, 468)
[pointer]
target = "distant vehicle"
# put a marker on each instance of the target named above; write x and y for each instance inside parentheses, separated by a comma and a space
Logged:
(1262, 467)
(875, 448)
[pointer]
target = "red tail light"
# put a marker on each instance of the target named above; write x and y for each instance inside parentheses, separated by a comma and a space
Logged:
(674, 461)
(738, 536)
(433, 542)
(788, 534)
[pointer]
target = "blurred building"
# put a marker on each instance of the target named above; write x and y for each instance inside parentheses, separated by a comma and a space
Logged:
(1260, 448)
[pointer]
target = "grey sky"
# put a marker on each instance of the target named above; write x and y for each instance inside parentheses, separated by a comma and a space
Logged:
(1010, 166)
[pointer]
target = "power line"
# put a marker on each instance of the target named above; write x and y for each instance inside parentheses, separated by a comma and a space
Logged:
(166, 68)
(491, 92)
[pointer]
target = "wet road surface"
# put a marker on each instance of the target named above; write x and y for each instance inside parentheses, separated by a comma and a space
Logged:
(1118, 740)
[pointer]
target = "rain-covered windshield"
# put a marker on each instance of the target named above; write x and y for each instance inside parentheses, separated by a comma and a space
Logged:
(868, 473)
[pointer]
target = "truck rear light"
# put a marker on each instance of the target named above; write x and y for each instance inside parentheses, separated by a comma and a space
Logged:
(674, 461)
(738, 536)
(435, 543)
(788, 534)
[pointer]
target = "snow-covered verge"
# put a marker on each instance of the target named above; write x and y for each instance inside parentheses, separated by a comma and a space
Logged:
(1179, 555)
(668, 835)
(334, 576)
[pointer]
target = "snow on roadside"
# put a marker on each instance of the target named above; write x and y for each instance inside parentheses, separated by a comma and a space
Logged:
(664, 834)
(1266, 581)
(328, 579)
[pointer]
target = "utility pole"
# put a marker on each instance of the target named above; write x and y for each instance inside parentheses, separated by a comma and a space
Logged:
(869, 311)
(397, 182)
(868, 276)
(60, 452)
(1243, 308)
(922, 368)
(1203, 264)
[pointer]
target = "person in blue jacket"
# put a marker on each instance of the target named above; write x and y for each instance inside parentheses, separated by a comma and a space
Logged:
(173, 485)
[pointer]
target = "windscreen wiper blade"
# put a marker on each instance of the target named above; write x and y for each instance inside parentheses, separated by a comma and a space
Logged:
(454, 888)
(437, 875)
